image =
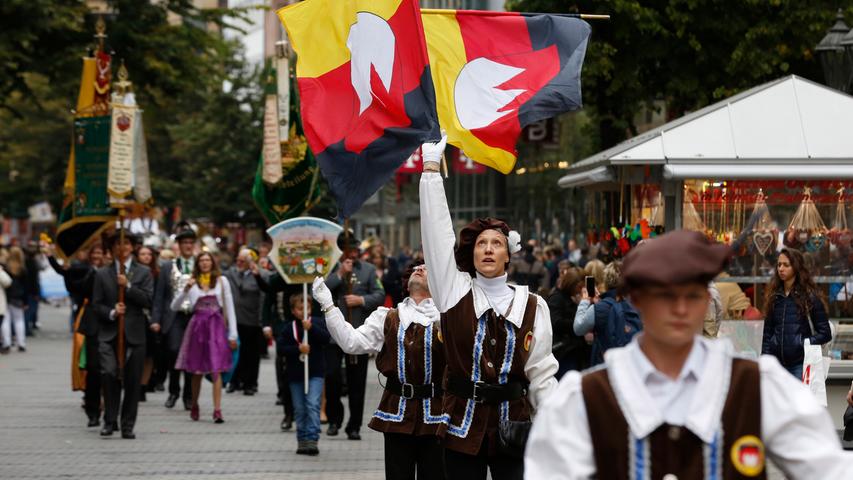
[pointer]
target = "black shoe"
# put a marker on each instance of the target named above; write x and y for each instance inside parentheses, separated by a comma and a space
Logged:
(4, 350)
(188, 404)
(232, 387)
(159, 387)
(108, 430)
(353, 435)
(93, 422)
(142, 397)
(22, 349)
(278, 402)
(249, 391)
(333, 430)
(170, 402)
(128, 434)
(312, 451)
(287, 423)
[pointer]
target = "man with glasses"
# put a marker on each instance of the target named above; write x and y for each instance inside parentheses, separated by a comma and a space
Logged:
(672, 404)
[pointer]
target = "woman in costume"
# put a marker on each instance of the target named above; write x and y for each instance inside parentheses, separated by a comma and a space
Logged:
(148, 256)
(497, 337)
(211, 333)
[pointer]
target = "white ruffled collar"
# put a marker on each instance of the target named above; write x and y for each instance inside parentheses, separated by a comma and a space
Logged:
(424, 313)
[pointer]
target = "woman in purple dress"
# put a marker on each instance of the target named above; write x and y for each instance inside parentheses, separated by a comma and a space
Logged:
(212, 332)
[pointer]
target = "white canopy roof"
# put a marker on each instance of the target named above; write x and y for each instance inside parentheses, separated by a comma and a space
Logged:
(787, 128)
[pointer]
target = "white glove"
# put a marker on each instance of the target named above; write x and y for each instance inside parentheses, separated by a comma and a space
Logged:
(431, 152)
(322, 293)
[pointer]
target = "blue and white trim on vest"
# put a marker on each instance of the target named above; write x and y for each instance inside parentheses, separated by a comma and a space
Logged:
(401, 375)
(461, 431)
(639, 458)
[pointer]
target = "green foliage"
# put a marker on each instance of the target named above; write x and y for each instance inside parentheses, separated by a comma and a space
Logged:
(203, 142)
(688, 52)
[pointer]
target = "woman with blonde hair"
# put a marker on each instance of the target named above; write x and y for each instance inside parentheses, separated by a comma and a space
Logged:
(16, 299)
(595, 268)
(212, 331)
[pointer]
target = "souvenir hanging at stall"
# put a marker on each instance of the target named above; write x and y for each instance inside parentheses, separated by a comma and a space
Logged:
(839, 235)
(807, 228)
(692, 220)
(764, 228)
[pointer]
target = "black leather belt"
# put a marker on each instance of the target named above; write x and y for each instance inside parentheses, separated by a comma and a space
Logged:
(482, 392)
(410, 391)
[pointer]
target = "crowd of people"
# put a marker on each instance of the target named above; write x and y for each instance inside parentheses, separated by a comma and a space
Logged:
(20, 293)
(484, 343)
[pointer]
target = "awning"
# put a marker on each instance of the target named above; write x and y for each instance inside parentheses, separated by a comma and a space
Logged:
(735, 171)
(787, 128)
(596, 175)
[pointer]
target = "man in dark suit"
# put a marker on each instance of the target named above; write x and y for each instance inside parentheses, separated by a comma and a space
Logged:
(172, 324)
(139, 290)
(357, 292)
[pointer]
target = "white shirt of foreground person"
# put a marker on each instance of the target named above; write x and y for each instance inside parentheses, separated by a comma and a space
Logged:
(797, 432)
(448, 286)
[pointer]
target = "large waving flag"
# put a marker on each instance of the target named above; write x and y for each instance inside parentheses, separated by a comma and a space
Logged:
(366, 89)
(497, 72)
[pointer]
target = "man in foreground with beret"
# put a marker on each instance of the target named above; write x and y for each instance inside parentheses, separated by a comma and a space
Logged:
(672, 405)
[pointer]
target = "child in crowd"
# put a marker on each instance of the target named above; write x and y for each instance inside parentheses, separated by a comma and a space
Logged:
(306, 406)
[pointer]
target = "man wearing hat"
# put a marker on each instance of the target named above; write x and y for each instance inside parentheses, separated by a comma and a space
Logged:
(497, 338)
(174, 276)
(357, 292)
(674, 405)
(138, 286)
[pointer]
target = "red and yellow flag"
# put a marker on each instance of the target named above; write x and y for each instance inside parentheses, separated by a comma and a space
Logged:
(365, 87)
(497, 72)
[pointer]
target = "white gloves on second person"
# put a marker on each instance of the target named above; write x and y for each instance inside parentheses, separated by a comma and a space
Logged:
(431, 152)
(322, 293)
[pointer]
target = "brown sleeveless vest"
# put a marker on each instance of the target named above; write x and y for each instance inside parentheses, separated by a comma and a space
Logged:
(735, 453)
(488, 349)
(410, 356)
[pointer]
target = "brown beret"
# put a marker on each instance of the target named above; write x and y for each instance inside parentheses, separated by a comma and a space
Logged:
(677, 257)
(468, 236)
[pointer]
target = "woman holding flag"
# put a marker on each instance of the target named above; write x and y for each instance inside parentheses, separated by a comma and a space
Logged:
(497, 337)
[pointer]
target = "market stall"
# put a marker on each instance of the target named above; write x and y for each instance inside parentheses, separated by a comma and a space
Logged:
(767, 168)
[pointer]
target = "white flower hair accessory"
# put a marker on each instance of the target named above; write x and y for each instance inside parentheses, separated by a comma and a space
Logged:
(513, 241)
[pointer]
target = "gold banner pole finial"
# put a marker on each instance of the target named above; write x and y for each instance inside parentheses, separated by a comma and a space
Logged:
(100, 32)
(123, 85)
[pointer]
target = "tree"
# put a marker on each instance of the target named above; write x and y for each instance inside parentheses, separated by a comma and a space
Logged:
(687, 52)
(178, 70)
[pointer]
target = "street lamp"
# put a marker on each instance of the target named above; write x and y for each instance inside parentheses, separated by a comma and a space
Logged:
(836, 62)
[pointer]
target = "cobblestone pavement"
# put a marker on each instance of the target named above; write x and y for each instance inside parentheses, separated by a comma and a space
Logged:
(44, 434)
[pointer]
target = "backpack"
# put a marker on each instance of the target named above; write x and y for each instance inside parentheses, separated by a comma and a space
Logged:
(623, 322)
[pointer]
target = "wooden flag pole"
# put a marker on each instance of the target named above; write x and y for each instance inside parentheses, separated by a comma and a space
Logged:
(304, 331)
(121, 289)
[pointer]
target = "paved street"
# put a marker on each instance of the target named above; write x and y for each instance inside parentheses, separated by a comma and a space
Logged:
(45, 435)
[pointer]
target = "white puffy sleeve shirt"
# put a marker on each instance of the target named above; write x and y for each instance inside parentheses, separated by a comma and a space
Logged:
(797, 432)
(223, 296)
(448, 285)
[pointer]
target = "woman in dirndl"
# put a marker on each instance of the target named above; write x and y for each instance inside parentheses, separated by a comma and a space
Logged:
(212, 332)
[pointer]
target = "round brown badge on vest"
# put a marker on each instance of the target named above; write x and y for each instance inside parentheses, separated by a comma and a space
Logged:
(748, 455)
(528, 340)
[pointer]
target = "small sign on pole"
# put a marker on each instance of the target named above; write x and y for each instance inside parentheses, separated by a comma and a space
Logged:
(304, 248)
